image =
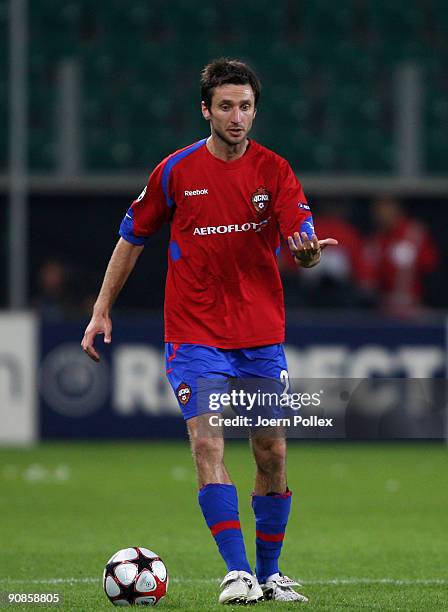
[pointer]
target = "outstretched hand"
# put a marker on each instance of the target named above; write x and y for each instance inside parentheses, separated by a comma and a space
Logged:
(99, 324)
(308, 252)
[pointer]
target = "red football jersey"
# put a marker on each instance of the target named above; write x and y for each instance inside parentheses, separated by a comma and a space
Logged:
(223, 286)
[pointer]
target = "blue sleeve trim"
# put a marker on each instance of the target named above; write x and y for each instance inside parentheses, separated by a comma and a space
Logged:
(175, 251)
(172, 161)
(127, 230)
(308, 227)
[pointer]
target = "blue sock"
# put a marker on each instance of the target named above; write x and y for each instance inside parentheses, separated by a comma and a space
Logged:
(219, 504)
(271, 517)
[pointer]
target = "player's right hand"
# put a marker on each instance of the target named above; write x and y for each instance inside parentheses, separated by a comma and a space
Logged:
(307, 252)
(99, 324)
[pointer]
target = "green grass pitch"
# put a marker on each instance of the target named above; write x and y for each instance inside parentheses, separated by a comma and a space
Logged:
(368, 527)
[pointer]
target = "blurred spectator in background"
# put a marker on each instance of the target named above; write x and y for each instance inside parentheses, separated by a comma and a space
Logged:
(337, 281)
(398, 258)
(52, 299)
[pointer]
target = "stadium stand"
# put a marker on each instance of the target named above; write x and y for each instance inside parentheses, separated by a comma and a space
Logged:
(327, 70)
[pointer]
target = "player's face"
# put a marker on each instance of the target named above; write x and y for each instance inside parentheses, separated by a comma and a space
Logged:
(232, 112)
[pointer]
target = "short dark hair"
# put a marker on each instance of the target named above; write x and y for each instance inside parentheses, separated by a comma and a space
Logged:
(224, 71)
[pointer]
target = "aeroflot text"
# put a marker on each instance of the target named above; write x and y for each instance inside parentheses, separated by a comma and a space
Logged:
(227, 229)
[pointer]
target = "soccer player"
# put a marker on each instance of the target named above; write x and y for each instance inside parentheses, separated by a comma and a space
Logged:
(229, 201)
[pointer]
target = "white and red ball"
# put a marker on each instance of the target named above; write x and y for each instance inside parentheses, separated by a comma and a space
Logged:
(135, 576)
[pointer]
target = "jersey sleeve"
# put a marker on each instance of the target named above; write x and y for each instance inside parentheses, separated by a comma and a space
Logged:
(291, 207)
(149, 211)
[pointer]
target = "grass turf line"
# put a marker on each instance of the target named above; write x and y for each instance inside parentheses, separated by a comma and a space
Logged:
(360, 512)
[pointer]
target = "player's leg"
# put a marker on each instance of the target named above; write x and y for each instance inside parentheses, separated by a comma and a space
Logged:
(207, 447)
(270, 458)
(217, 495)
(271, 503)
(219, 503)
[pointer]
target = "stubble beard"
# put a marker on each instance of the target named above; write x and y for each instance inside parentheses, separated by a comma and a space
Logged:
(230, 143)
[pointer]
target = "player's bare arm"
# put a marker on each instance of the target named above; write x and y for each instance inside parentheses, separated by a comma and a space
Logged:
(308, 252)
(121, 264)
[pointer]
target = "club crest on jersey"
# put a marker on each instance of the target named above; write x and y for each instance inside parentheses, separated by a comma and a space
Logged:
(260, 199)
(183, 393)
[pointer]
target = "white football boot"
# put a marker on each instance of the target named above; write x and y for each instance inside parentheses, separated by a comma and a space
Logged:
(279, 588)
(239, 587)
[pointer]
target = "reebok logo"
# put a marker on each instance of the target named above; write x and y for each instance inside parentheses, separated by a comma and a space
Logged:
(196, 192)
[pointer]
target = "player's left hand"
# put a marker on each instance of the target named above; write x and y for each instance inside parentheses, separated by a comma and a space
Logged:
(308, 252)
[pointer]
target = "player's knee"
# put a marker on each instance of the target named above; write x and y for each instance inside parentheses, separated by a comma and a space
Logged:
(270, 455)
(207, 450)
(270, 446)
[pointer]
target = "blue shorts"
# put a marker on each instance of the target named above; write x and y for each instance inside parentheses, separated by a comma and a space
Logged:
(186, 364)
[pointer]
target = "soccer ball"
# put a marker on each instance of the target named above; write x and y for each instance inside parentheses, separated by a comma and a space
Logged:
(135, 576)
